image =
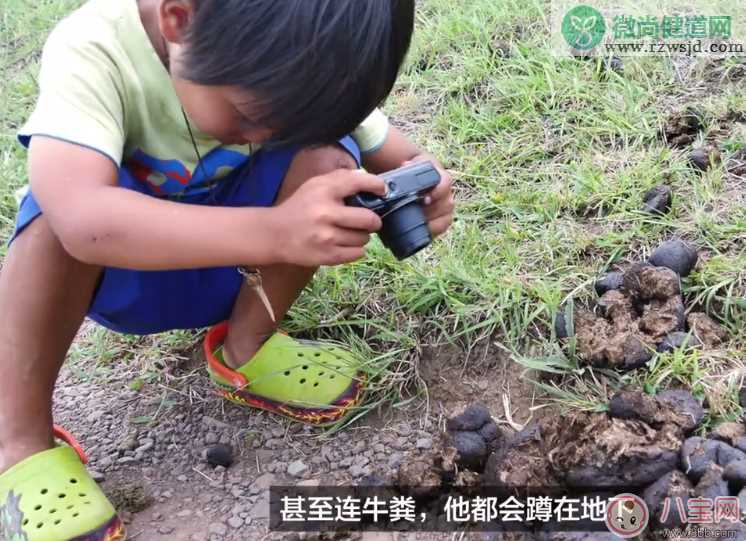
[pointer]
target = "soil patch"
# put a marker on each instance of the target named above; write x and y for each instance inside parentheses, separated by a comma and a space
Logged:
(154, 449)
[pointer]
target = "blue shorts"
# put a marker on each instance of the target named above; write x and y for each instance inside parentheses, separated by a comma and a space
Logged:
(148, 302)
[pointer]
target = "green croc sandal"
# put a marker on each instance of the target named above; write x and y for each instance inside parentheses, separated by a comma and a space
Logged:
(51, 497)
(311, 382)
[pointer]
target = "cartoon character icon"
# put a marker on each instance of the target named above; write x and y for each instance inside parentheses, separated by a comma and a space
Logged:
(627, 515)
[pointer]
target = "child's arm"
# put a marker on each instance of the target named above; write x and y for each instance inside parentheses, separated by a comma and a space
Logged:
(102, 224)
(398, 151)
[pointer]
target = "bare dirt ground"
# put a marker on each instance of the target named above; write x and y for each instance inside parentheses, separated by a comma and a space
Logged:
(148, 445)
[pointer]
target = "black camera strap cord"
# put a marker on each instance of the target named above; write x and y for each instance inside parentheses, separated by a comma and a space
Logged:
(252, 277)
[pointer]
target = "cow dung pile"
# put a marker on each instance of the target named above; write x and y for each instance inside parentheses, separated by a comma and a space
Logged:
(643, 444)
(638, 312)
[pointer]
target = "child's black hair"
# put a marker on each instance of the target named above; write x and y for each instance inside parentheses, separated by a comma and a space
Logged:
(318, 67)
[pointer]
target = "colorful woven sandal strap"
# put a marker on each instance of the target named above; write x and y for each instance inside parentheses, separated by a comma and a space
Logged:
(63, 435)
(214, 339)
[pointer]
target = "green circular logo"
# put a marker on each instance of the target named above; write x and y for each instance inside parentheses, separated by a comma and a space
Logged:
(583, 27)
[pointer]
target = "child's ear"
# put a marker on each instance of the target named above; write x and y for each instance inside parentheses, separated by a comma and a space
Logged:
(174, 17)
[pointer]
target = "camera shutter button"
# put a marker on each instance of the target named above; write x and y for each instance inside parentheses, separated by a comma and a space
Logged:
(392, 186)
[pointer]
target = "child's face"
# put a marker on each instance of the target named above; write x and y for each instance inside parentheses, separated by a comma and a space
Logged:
(222, 112)
(226, 113)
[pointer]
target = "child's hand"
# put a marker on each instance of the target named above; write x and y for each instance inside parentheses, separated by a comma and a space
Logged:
(317, 228)
(439, 204)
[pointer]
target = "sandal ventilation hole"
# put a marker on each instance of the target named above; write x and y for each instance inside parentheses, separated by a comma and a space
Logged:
(60, 496)
(52, 511)
(75, 515)
(303, 381)
(287, 373)
(305, 367)
(82, 494)
(38, 526)
(25, 521)
(56, 522)
(70, 507)
(316, 384)
(44, 491)
(317, 354)
(300, 355)
(321, 373)
(37, 508)
(73, 481)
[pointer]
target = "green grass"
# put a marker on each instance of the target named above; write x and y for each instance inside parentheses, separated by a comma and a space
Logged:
(551, 158)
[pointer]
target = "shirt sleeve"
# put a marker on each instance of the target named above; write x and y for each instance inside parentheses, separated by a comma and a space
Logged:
(372, 133)
(81, 99)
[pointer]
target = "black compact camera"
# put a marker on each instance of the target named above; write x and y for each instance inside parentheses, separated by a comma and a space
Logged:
(405, 231)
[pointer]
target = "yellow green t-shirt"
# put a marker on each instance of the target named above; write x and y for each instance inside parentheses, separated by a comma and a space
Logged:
(103, 86)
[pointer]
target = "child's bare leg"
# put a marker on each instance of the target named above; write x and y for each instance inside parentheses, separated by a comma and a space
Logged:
(44, 295)
(250, 324)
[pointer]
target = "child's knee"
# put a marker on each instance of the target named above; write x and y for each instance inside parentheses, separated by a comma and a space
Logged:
(38, 233)
(313, 162)
(38, 246)
(323, 160)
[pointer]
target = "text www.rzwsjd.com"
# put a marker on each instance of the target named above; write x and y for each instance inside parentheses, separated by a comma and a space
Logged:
(692, 48)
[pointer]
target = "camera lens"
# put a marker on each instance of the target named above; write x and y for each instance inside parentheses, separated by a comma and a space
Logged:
(405, 231)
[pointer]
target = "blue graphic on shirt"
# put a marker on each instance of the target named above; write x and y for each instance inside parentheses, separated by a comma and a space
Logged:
(169, 177)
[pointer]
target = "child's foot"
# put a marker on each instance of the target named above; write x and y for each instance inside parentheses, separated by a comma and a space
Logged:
(311, 382)
(50, 496)
(234, 355)
(17, 451)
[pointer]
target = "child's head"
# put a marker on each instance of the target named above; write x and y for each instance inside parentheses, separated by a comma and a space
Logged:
(292, 71)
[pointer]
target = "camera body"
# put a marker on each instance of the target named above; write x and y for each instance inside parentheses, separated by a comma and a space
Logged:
(405, 231)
